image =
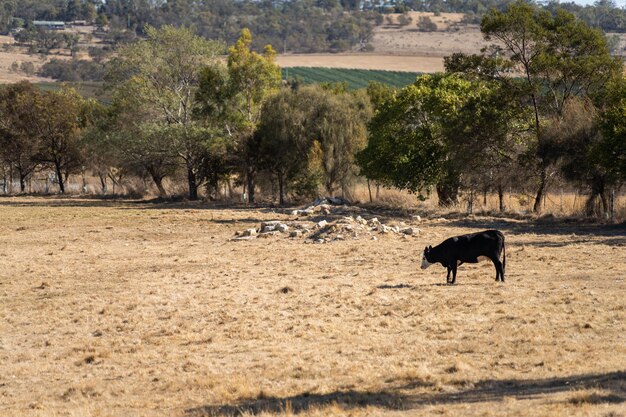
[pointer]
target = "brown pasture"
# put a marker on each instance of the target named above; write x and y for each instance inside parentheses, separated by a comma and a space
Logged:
(130, 308)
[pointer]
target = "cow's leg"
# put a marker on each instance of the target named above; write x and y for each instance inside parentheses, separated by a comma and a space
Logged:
(453, 274)
(448, 276)
(499, 270)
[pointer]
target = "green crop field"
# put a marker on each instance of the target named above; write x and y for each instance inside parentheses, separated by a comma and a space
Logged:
(355, 78)
(85, 88)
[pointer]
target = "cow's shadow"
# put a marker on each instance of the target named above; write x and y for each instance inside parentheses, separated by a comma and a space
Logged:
(394, 287)
(397, 397)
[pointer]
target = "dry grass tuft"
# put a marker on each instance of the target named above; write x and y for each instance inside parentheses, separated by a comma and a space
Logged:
(595, 397)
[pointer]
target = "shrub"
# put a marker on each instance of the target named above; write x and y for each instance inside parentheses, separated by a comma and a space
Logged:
(74, 70)
(404, 20)
(425, 24)
(27, 68)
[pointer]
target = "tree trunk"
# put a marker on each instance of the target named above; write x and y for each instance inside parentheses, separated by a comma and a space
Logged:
(501, 198)
(448, 195)
(448, 189)
(250, 179)
(369, 190)
(542, 187)
(230, 187)
(281, 189)
(605, 202)
(597, 193)
(330, 188)
(103, 182)
(215, 183)
(59, 178)
(4, 179)
(470, 202)
(158, 181)
(22, 181)
(193, 183)
(11, 179)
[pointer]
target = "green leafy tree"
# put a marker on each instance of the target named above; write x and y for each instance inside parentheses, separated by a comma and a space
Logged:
(7, 11)
(100, 154)
(88, 11)
(57, 120)
(101, 21)
(607, 152)
(432, 132)
(559, 58)
(164, 72)
(308, 138)
(283, 139)
(578, 135)
(340, 128)
(18, 144)
(72, 10)
(232, 100)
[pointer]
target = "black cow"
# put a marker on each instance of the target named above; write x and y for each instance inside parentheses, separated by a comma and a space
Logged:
(470, 248)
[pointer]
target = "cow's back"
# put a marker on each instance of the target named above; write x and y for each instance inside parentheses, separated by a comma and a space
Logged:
(468, 248)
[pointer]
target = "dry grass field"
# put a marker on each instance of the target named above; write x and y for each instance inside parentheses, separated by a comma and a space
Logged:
(130, 308)
(19, 55)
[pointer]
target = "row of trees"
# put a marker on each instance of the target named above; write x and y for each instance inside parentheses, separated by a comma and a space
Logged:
(293, 26)
(29, 10)
(42, 130)
(543, 102)
(547, 101)
(178, 109)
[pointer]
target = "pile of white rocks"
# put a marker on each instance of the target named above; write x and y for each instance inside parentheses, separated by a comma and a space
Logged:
(267, 229)
(349, 227)
(324, 231)
(326, 206)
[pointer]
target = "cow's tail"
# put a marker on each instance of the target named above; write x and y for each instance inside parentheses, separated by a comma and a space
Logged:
(503, 257)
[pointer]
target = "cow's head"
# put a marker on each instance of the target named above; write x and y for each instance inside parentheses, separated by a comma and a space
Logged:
(426, 258)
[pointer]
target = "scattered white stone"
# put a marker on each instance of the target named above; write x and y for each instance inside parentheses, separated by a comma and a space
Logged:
(295, 233)
(282, 228)
(249, 232)
(411, 231)
(417, 218)
(269, 234)
(321, 224)
(243, 238)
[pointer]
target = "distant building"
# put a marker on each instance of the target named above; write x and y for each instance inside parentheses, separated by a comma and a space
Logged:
(50, 25)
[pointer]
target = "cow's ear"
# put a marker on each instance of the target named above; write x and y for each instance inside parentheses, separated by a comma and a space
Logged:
(426, 249)
(430, 247)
